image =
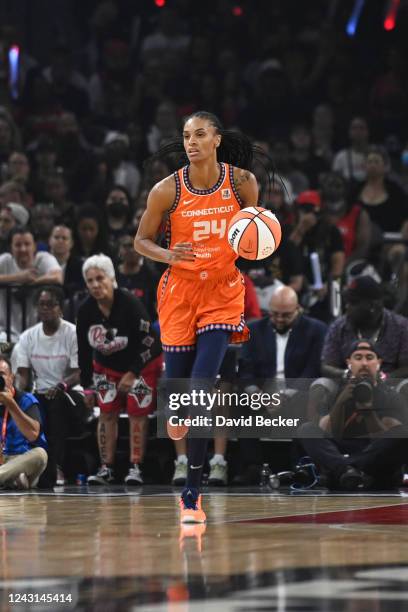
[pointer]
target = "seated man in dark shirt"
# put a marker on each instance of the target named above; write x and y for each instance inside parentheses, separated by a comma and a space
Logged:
(359, 439)
(283, 351)
(366, 317)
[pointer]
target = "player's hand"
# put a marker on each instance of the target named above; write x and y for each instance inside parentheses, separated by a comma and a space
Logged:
(182, 251)
(126, 382)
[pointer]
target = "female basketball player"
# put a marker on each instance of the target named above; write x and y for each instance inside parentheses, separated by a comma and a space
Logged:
(201, 294)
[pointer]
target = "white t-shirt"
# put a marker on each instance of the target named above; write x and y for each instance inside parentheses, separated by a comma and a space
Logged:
(50, 357)
(350, 164)
(281, 342)
(44, 263)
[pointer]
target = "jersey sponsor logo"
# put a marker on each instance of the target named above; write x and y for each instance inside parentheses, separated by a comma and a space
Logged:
(232, 283)
(105, 340)
(188, 201)
(208, 211)
(226, 194)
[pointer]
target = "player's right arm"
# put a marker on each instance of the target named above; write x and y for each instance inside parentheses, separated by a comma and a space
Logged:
(159, 202)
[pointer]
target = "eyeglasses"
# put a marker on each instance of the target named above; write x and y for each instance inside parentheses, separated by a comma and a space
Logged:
(283, 315)
(47, 304)
(117, 201)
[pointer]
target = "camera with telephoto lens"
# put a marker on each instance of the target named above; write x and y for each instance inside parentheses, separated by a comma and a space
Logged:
(2, 383)
(363, 391)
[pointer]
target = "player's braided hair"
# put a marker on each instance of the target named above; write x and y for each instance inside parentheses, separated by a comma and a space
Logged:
(235, 149)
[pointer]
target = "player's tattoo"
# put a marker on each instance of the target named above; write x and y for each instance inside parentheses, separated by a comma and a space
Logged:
(241, 179)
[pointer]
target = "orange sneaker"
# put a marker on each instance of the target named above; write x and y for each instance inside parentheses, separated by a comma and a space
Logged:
(191, 535)
(177, 432)
(190, 507)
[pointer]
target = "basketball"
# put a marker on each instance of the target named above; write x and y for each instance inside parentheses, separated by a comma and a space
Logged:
(254, 233)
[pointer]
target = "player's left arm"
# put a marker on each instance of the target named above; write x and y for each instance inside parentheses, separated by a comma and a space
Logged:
(247, 187)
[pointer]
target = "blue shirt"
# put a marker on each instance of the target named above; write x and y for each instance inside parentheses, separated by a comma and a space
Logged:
(16, 443)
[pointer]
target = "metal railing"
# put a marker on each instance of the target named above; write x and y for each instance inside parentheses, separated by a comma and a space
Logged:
(18, 299)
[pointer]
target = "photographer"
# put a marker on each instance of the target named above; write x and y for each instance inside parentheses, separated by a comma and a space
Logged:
(23, 458)
(359, 441)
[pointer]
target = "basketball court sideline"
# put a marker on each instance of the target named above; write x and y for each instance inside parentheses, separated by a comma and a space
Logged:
(122, 549)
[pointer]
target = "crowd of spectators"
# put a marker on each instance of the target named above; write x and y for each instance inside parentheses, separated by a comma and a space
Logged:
(73, 142)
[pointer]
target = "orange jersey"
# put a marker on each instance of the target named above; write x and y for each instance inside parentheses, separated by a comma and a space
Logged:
(202, 216)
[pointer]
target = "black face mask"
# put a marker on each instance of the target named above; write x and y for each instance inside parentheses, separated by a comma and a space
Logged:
(366, 316)
(117, 210)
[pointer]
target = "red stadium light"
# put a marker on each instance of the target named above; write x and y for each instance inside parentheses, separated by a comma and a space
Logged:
(160, 3)
(391, 15)
(389, 23)
(237, 11)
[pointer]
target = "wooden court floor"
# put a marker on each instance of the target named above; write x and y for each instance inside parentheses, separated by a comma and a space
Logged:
(116, 549)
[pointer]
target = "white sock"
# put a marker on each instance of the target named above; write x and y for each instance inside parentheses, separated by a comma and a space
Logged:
(218, 459)
(182, 459)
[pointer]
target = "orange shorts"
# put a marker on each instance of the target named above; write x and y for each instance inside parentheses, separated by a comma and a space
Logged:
(191, 304)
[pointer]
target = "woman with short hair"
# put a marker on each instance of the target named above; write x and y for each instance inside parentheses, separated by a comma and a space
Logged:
(121, 354)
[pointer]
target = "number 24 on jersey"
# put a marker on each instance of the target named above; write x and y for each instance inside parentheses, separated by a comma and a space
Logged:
(203, 229)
